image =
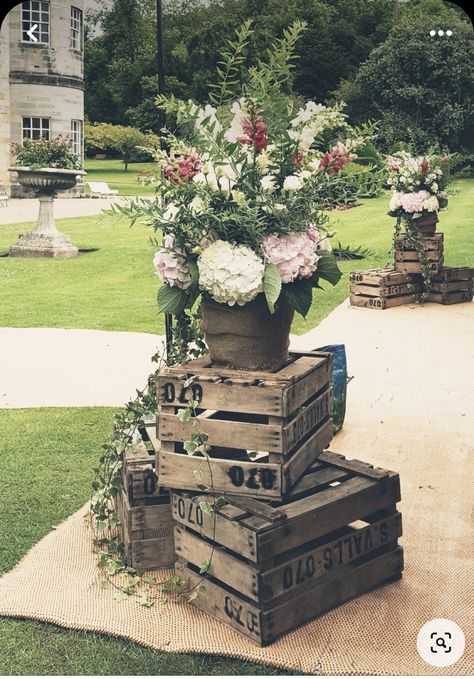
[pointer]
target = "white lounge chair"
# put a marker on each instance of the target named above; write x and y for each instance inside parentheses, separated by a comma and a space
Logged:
(3, 199)
(101, 189)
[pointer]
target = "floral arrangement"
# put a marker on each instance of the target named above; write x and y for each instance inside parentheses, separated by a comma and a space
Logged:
(39, 153)
(236, 195)
(418, 184)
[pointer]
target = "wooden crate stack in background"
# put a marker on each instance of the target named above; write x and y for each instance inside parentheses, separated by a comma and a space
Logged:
(407, 259)
(383, 288)
(404, 284)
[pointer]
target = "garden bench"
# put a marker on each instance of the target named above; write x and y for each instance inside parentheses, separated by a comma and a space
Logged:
(101, 189)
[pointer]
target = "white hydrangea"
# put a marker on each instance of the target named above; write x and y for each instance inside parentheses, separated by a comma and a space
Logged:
(292, 183)
(231, 274)
(430, 204)
(395, 201)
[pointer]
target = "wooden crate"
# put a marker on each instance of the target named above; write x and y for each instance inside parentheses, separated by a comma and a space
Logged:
(285, 416)
(274, 566)
(452, 285)
(147, 533)
(406, 258)
(144, 507)
(383, 288)
(450, 297)
(382, 302)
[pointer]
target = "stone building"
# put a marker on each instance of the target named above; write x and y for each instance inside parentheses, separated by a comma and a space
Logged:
(41, 77)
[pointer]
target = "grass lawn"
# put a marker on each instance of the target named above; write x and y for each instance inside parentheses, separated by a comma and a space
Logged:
(115, 287)
(36, 497)
(113, 172)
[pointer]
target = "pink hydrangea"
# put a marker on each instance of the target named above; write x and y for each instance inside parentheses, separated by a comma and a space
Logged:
(294, 254)
(171, 266)
(413, 202)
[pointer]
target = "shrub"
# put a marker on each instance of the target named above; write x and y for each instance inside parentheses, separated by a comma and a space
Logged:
(127, 143)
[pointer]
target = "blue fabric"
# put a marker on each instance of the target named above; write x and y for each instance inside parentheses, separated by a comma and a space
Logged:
(338, 383)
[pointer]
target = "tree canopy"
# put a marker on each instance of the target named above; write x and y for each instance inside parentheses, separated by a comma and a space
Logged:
(375, 54)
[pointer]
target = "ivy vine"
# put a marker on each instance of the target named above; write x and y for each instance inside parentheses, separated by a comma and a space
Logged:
(187, 344)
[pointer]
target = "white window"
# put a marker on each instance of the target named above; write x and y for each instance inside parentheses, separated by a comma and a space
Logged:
(35, 14)
(76, 29)
(76, 138)
(35, 128)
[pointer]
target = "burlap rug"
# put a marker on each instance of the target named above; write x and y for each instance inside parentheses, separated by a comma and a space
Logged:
(409, 409)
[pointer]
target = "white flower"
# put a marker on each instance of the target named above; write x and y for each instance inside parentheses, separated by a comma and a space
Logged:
(231, 274)
(263, 160)
(304, 174)
(325, 244)
(431, 204)
(395, 201)
(170, 213)
(268, 183)
(197, 206)
(236, 128)
(292, 183)
(434, 187)
(239, 197)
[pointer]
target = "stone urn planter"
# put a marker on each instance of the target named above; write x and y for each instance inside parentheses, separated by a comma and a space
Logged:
(45, 240)
(248, 337)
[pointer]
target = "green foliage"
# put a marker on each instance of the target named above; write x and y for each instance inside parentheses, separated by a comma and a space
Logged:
(128, 143)
(36, 153)
(120, 63)
(419, 87)
(299, 295)
(271, 285)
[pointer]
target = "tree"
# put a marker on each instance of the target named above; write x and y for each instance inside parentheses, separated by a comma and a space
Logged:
(418, 86)
(119, 140)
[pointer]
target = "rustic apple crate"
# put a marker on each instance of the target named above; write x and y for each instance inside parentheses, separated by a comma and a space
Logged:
(283, 417)
(383, 288)
(144, 508)
(274, 566)
(451, 285)
(407, 260)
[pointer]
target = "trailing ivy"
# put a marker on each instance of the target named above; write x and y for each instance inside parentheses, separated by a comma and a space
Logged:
(186, 344)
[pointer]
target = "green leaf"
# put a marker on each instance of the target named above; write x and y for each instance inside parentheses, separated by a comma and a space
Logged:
(121, 596)
(190, 447)
(271, 286)
(299, 295)
(206, 507)
(149, 579)
(328, 268)
(205, 567)
(171, 300)
(184, 414)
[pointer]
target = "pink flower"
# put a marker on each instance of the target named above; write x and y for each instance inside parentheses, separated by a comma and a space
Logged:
(334, 161)
(171, 266)
(183, 167)
(413, 202)
(424, 166)
(294, 254)
(298, 159)
(255, 132)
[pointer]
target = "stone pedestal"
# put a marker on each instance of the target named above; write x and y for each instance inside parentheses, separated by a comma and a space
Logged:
(45, 240)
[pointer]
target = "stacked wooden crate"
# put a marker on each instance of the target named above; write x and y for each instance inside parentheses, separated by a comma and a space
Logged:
(274, 566)
(144, 507)
(283, 419)
(271, 529)
(407, 259)
(451, 285)
(404, 284)
(383, 288)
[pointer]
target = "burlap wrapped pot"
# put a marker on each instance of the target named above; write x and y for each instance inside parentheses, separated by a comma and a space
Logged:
(248, 337)
(426, 224)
